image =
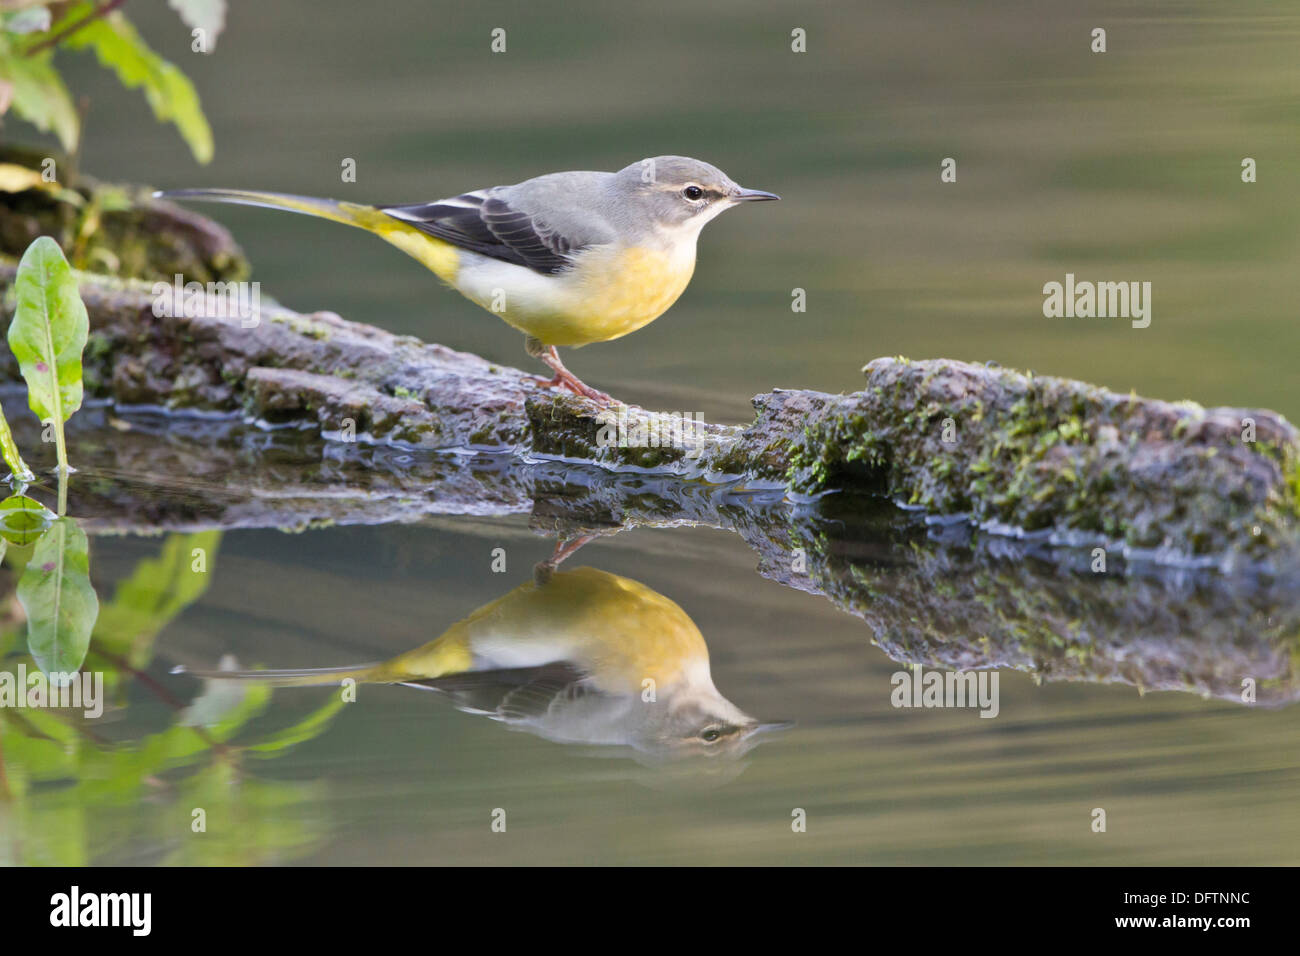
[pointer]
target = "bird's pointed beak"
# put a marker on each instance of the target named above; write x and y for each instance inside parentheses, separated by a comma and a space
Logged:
(771, 727)
(754, 195)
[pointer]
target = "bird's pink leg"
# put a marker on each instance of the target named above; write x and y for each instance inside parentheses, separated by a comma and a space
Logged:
(543, 570)
(563, 377)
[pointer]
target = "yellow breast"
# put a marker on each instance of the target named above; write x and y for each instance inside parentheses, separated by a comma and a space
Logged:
(613, 291)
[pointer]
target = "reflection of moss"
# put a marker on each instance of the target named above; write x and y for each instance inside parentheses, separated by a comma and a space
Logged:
(963, 608)
(483, 436)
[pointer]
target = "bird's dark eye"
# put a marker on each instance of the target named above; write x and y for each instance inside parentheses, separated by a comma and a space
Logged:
(710, 735)
(693, 193)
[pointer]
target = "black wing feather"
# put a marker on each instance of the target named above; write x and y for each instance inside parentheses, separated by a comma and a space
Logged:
(511, 694)
(490, 226)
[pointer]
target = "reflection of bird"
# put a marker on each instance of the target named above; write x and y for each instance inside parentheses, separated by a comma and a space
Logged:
(568, 258)
(579, 656)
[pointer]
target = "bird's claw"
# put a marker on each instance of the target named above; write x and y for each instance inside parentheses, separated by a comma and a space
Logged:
(574, 385)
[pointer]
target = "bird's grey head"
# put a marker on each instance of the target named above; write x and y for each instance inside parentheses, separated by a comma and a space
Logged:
(705, 725)
(680, 193)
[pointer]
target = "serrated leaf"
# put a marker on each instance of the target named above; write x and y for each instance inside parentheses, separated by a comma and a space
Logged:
(171, 95)
(37, 94)
(206, 15)
(56, 593)
(48, 332)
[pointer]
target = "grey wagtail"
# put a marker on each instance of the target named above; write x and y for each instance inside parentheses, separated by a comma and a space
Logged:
(579, 657)
(567, 258)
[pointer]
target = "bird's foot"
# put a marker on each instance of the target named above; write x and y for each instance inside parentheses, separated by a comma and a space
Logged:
(563, 377)
(567, 380)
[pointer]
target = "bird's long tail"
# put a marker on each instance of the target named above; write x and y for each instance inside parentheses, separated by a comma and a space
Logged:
(294, 677)
(447, 654)
(354, 214)
(438, 256)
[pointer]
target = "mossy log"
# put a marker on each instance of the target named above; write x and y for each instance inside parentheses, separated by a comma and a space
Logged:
(1063, 461)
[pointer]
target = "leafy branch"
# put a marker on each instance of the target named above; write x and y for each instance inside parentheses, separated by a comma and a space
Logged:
(55, 38)
(32, 87)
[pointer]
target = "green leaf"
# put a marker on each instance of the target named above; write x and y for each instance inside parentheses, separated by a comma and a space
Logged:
(38, 94)
(23, 520)
(255, 700)
(10, 452)
(306, 729)
(206, 15)
(48, 334)
(170, 94)
(60, 602)
(157, 592)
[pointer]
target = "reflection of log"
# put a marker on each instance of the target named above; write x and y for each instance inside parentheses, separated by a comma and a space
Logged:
(934, 594)
(1045, 456)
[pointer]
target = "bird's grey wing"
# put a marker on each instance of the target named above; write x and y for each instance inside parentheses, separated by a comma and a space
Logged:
(512, 695)
(486, 222)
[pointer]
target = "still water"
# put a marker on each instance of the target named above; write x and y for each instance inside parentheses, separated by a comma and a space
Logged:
(418, 772)
(1121, 694)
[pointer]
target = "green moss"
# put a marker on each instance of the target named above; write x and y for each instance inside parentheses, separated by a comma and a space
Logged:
(484, 435)
(1043, 453)
(302, 325)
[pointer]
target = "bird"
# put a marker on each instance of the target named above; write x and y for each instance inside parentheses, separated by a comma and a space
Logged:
(567, 258)
(576, 657)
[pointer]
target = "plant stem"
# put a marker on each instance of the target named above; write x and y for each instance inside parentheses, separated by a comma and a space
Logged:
(63, 470)
(59, 37)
